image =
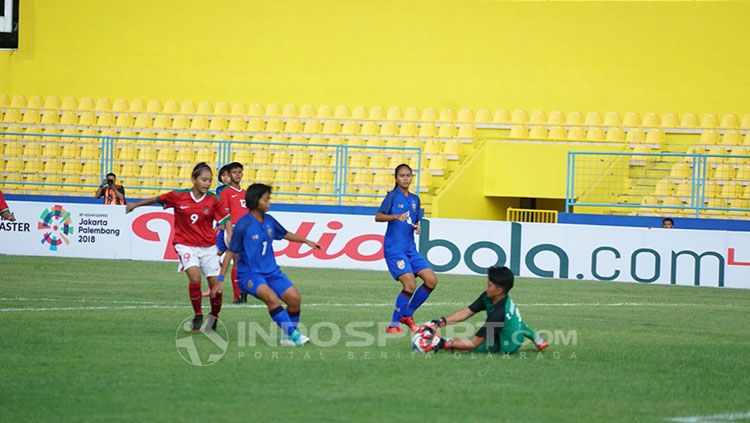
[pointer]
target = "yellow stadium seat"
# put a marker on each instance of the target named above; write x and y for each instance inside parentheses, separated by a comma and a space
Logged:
(408, 129)
(294, 126)
(18, 101)
(576, 133)
(743, 173)
(102, 105)
(50, 103)
(663, 188)
(31, 117)
(446, 130)
(341, 112)
(467, 131)
(447, 115)
(72, 167)
(615, 134)
(429, 114)
(255, 124)
(739, 203)
(171, 107)
(256, 109)
(358, 161)
(465, 115)
(432, 147)
(729, 121)
(204, 108)
(199, 123)
(119, 105)
(670, 120)
(325, 111)
(655, 135)
(32, 150)
(557, 133)
(222, 108)
(519, 117)
(143, 121)
(631, 119)
(724, 172)
(612, 119)
(124, 120)
(291, 111)
(4, 100)
(595, 134)
(300, 159)
(483, 116)
(501, 116)
(716, 203)
(162, 122)
(574, 118)
(437, 165)
(238, 109)
(105, 120)
(717, 151)
(377, 113)
(359, 112)
(394, 142)
(389, 129)
(187, 107)
(745, 123)
(90, 168)
(712, 190)
(452, 148)
(593, 119)
(635, 136)
(243, 156)
(350, 127)
(184, 155)
(147, 154)
(312, 126)
(87, 119)
(689, 120)
(154, 106)
(331, 127)
(274, 125)
(369, 128)
(12, 116)
(136, 106)
(732, 137)
(519, 132)
(219, 123)
(538, 132)
(427, 130)
(52, 167)
(731, 191)
(651, 120)
(709, 120)
(538, 117)
(35, 102)
(709, 137)
(739, 157)
(91, 151)
(69, 103)
(236, 124)
(746, 192)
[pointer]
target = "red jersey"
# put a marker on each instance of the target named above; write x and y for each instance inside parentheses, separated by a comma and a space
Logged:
(4, 206)
(194, 217)
(233, 201)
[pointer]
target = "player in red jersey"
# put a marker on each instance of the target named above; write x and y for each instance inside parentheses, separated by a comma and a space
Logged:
(195, 210)
(233, 201)
(5, 213)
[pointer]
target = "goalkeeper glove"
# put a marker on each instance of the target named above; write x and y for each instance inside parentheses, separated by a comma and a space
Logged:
(441, 322)
(444, 344)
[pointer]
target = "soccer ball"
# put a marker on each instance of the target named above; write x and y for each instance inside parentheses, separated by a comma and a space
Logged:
(425, 342)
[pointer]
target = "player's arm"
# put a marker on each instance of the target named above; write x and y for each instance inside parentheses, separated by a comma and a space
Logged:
(292, 237)
(382, 217)
(132, 206)
(225, 264)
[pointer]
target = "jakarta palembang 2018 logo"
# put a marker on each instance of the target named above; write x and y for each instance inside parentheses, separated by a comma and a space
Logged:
(57, 226)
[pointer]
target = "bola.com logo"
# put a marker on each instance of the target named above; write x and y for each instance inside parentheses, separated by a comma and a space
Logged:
(57, 226)
(203, 348)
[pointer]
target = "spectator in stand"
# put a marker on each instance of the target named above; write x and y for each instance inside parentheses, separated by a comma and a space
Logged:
(667, 223)
(113, 194)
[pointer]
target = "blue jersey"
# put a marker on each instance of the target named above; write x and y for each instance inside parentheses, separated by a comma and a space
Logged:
(252, 241)
(220, 188)
(399, 237)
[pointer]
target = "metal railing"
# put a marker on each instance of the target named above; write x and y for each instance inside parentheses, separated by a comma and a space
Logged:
(299, 172)
(699, 185)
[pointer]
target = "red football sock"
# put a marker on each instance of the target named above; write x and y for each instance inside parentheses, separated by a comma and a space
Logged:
(195, 297)
(235, 284)
(216, 304)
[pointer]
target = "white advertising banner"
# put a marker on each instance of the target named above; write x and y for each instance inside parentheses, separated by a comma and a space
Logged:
(605, 253)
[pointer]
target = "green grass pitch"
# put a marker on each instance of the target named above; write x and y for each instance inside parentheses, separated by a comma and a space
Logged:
(88, 340)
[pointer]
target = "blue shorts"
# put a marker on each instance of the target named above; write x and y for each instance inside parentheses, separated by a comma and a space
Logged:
(221, 243)
(408, 262)
(277, 281)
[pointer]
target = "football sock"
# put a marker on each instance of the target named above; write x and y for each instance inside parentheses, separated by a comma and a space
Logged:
(294, 317)
(420, 296)
(402, 302)
(281, 317)
(216, 304)
(235, 284)
(529, 333)
(195, 297)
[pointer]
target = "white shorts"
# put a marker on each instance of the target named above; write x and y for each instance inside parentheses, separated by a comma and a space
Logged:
(204, 257)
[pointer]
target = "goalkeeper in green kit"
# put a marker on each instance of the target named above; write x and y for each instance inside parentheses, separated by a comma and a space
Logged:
(503, 332)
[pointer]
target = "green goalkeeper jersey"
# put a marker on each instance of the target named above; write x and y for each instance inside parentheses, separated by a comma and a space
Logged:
(504, 330)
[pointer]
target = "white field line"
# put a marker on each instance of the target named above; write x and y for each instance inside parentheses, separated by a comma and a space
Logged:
(141, 305)
(728, 417)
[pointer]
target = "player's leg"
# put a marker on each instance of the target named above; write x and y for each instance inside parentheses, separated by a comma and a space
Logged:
(408, 283)
(423, 271)
(264, 293)
(211, 267)
(528, 332)
(285, 289)
(293, 301)
(190, 264)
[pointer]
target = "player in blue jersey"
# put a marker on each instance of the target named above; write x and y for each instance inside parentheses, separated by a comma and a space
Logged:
(402, 210)
(259, 275)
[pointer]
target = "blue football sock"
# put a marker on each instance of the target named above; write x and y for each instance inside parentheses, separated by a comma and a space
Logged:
(281, 317)
(423, 292)
(294, 317)
(402, 302)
